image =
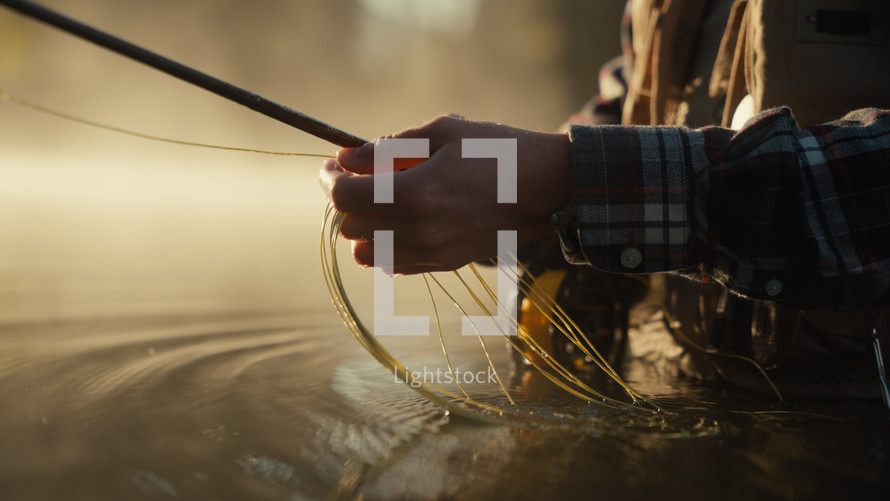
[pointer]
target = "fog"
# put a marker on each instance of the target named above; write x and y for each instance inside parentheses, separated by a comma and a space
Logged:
(96, 223)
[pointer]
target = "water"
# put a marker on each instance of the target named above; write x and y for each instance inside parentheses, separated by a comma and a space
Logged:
(244, 407)
(165, 334)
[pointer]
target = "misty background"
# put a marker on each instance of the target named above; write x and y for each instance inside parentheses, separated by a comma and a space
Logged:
(98, 224)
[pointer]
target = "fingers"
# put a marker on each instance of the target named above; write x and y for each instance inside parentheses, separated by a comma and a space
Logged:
(354, 193)
(408, 232)
(442, 210)
(438, 130)
(361, 228)
(328, 175)
(411, 259)
(405, 262)
(358, 160)
(349, 192)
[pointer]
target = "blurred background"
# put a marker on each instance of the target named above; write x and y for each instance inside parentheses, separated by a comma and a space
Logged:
(165, 329)
(96, 223)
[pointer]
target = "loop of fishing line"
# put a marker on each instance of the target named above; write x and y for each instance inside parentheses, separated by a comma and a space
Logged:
(5, 95)
(464, 404)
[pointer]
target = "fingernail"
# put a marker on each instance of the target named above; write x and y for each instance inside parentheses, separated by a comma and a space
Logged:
(344, 155)
(347, 156)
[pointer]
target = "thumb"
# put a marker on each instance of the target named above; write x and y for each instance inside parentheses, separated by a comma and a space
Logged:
(360, 160)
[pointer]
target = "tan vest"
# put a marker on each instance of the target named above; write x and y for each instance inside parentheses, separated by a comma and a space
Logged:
(822, 59)
(781, 52)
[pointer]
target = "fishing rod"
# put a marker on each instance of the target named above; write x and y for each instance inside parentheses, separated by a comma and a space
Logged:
(231, 92)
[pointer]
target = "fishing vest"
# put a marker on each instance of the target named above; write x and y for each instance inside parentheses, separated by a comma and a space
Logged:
(820, 58)
(700, 63)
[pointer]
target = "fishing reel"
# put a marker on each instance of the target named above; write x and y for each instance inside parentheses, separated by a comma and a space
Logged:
(597, 302)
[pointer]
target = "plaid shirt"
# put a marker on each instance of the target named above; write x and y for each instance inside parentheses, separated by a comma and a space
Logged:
(773, 212)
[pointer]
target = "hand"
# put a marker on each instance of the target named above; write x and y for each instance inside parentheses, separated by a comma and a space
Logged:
(445, 212)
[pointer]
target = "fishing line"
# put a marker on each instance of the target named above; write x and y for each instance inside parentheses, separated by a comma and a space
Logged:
(185, 73)
(10, 97)
(426, 282)
(638, 416)
(549, 307)
(653, 419)
(674, 327)
(464, 404)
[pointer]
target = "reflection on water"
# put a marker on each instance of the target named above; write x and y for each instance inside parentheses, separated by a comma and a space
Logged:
(280, 407)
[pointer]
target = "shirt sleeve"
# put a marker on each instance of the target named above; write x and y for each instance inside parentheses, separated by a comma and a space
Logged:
(795, 216)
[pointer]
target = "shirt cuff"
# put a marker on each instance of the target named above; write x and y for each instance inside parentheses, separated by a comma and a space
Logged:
(632, 201)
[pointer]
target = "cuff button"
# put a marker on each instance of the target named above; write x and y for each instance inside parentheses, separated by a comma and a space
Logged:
(631, 258)
(773, 288)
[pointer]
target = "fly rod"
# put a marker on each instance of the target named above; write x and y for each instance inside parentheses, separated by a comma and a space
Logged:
(234, 93)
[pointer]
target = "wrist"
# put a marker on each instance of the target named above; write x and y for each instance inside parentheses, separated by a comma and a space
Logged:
(546, 179)
(551, 178)
(563, 216)
(563, 173)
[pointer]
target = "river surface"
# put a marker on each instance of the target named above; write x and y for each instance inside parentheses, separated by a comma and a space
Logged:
(165, 333)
